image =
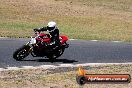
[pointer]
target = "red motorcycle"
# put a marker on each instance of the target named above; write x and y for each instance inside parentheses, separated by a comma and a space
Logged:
(38, 46)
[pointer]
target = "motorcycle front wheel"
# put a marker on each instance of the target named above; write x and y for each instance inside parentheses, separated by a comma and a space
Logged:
(21, 53)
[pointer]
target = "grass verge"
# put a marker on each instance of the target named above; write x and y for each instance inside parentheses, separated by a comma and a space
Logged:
(79, 19)
(59, 78)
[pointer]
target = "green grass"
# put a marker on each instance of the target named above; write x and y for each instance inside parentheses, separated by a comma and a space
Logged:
(81, 19)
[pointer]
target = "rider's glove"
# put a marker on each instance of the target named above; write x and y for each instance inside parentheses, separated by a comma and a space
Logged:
(37, 29)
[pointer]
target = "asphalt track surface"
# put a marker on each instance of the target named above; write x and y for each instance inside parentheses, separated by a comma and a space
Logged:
(79, 52)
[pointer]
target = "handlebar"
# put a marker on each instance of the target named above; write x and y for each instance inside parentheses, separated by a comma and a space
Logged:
(37, 32)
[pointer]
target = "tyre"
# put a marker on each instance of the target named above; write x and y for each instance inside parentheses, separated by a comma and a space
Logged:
(21, 53)
(81, 80)
(56, 54)
(52, 57)
(59, 52)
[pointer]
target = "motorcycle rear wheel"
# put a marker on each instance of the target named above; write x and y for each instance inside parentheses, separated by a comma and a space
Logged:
(21, 53)
(57, 54)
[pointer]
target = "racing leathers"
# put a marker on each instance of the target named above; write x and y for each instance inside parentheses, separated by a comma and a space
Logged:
(54, 33)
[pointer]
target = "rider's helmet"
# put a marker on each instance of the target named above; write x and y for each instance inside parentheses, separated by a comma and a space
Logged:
(51, 26)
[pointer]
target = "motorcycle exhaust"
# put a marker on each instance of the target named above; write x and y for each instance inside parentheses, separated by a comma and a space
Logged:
(67, 45)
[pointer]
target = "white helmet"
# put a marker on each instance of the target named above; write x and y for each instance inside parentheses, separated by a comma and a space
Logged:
(51, 24)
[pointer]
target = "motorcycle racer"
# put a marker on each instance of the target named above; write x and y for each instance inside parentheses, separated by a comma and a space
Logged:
(53, 31)
(51, 45)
